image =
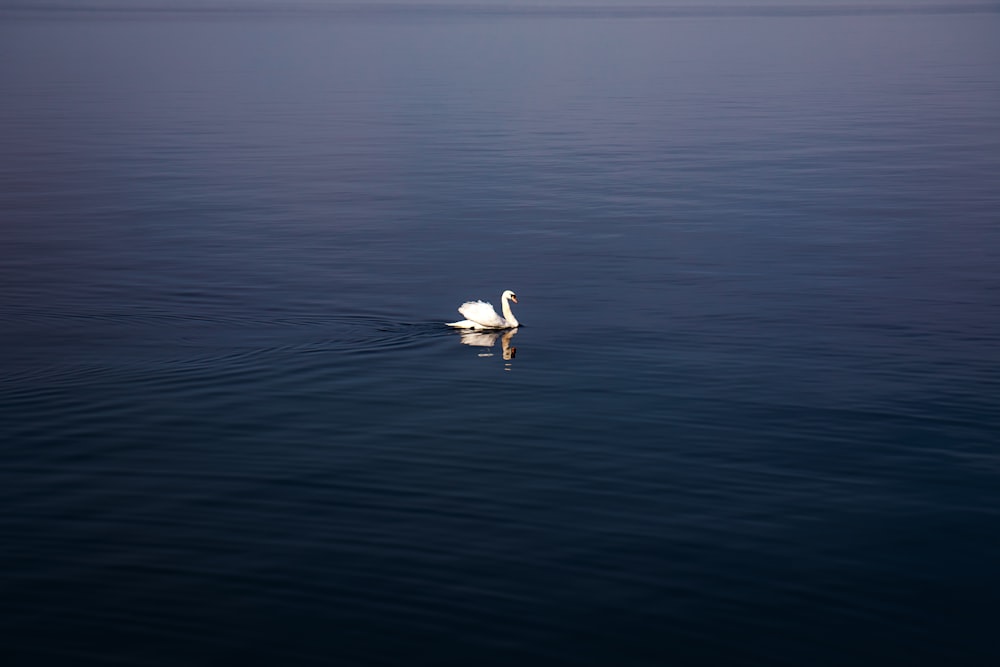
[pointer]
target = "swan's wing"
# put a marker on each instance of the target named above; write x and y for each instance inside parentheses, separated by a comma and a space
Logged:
(483, 314)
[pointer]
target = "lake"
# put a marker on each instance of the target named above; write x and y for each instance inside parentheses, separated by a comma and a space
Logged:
(751, 415)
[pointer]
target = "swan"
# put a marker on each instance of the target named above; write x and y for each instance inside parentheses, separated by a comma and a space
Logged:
(481, 315)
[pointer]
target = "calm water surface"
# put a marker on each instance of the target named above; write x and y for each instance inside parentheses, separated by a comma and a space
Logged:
(752, 417)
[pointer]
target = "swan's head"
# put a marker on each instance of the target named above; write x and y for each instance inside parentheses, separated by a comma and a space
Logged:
(509, 295)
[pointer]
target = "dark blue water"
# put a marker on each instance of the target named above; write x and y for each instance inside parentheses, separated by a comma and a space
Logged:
(752, 417)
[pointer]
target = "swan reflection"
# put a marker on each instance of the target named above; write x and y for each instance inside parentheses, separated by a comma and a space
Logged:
(487, 339)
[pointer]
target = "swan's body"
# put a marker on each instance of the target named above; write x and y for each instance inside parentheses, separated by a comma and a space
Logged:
(481, 315)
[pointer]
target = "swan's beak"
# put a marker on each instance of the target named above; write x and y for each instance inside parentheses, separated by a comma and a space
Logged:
(513, 298)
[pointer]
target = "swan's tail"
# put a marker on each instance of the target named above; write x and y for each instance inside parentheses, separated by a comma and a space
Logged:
(465, 324)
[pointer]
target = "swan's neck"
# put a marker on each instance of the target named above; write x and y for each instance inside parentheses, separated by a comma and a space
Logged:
(508, 315)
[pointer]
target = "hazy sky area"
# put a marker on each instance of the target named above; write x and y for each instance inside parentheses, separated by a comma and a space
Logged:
(277, 4)
(582, 8)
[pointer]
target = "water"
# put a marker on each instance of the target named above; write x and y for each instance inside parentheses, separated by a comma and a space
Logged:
(751, 417)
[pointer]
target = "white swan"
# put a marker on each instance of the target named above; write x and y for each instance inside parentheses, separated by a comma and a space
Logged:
(481, 315)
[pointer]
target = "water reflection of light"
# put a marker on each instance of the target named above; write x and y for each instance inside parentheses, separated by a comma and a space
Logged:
(487, 339)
